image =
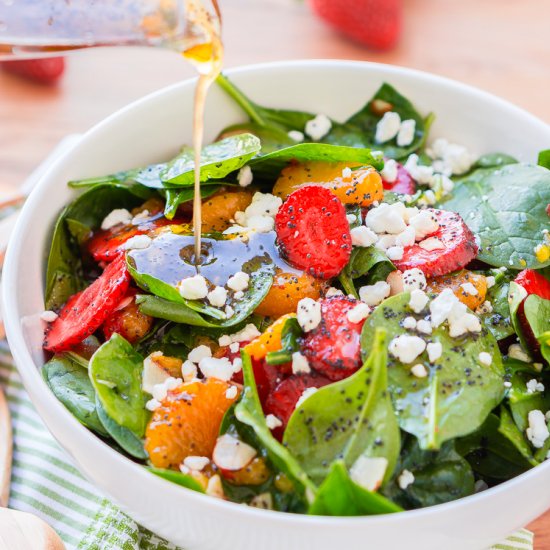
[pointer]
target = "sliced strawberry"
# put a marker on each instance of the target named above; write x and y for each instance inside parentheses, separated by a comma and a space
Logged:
(86, 311)
(282, 401)
(47, 70)
(459, 243)
(334, 347)
(313, 232)
(534, 283)
(403, 184)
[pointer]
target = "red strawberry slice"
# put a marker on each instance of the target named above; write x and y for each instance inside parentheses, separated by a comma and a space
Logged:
(375, 23)
(403, 184)
(313, 232)
(45, 71)
(282, 401)
(334, 347)
(86, 311)
(534, 283)
(459, 243)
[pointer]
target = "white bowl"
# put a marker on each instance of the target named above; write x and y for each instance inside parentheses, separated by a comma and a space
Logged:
(151, 130)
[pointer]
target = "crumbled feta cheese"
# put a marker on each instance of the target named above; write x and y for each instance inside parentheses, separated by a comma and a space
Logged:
(422, 174)
(189, 371)
(435, 350)
(198, 353)
(424, 223)
(406, 133)
(232, 454)
(258, 215)
(515, 351)
(332, 291)
(490, 281)
(159, 392)
(419, 370)
(461, 322)
(406, 238)
(238, 295)
(431, 243)
(369, 471)
(296, 136)
(237, 364)
(137, 242)
(413, 279)
(395, 252)
(172, 383)
(300, 364)
(385, 241)
(224, 341)
(239, 281)
(264, 501)
(534, 386)
(359, 313)
(308, 314)
(261, 224)
(152, 405)
(48, 316)
(406, 348)
(389, 172)
(317, 128)
(405, 479)
(347, 173)
(352, 218)
(387, 218)
(214, 488)
(273, 422)
(196, 463)
(469, 288)
(363, 236)
(140, 217)
(229, 312)
(153, 373)
(418, 300)
(484, 308)
(245, 176)
(248, 333)
(424, 326)
(409, 323)
(387, 127)
(218, 296)
(193, 288)
(308, 392)
(485, 358)
(115, 217)
(216, 367)
(537, 432)
(234, 347)
(454, 159)
(231, 393)
(374, 294)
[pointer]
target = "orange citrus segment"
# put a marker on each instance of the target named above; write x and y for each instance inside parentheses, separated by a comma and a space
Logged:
(459, 283)
(268, 341)
(218, 209)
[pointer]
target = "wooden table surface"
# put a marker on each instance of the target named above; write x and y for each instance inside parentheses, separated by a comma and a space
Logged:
(501, 46)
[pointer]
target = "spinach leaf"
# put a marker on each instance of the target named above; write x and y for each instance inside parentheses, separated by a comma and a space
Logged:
(494, 160)
(124, 437)
(290, 334)
(272, 138)
(537, 313)
(439, 476)
(346, 420)
(544, 159)
(178, 478)
(64, 271)
(217, 160)
(506, 208)
(171, 311)
(364, 261)
(115, 371)
(511, 432)
(458, 393)
(498, 321)
(136, 180)
(338, 495)
(248, 411)
(176, 197)
(544, 342)
(516, 295)
(71, 384)
(269, 166)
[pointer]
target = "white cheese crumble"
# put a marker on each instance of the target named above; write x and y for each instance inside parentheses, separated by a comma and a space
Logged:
(414, 279)
(296, 135)
(232, 454)
(418, 300)
(424, 223)
(189, 371)
(229, 312)
(484, 308)
(263, 501)
(259, 214)
(137, 242)
(431, 243)
(387, 218)
(422, 174)
(308, 314)
(217, 367)
(347, 172)
(450, 158)
(406, 348)
(352, 218)
(515, 351)
(419, 370)
(49, 316)
(140, 217)
(218, 296)
(369, 471)
(534, 386)
(537, 432)
(423, 326)
(214, 488)
(405, 479)
(308, 392)
(198, 353)
(245, 176)
(447, 307)
(406, 238)
(193, 288)
(332, 291)
(406, 133)
(231, 393)
(196, 463)
(490, 281)
(248, 333)
(239, 281)
(300, 364)
(389, 172)
(116, 217)
(469, 288)
(374, 294)
(317, 128)
(409, 323)
(485, 358)
(359, 313)
(273, 422)
(435, 350)
(363, 236)
(395, 252)
(153, 373)
(387, 127)
(152, 405)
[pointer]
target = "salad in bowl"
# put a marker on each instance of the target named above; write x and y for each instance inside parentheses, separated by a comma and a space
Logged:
(365, 331)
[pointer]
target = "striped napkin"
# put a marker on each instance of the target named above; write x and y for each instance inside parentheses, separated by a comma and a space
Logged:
(46, 483)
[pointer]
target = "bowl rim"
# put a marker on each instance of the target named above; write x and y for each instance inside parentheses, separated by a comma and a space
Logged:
(30, 371)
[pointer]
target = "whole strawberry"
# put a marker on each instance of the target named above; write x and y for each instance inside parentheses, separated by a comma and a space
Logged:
(374, 23)
(47, 70)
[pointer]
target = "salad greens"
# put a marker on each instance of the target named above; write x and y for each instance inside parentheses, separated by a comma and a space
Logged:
(269, 384)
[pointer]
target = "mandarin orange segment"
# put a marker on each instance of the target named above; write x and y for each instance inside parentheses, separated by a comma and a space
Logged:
(459, 283)
(188, 422)
(171, 365)
(254, 473)
(287, 290)
(362, 187)
(218, 209)
(270, 340)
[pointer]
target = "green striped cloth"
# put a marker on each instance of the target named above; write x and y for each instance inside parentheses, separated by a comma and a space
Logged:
(46, 483)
